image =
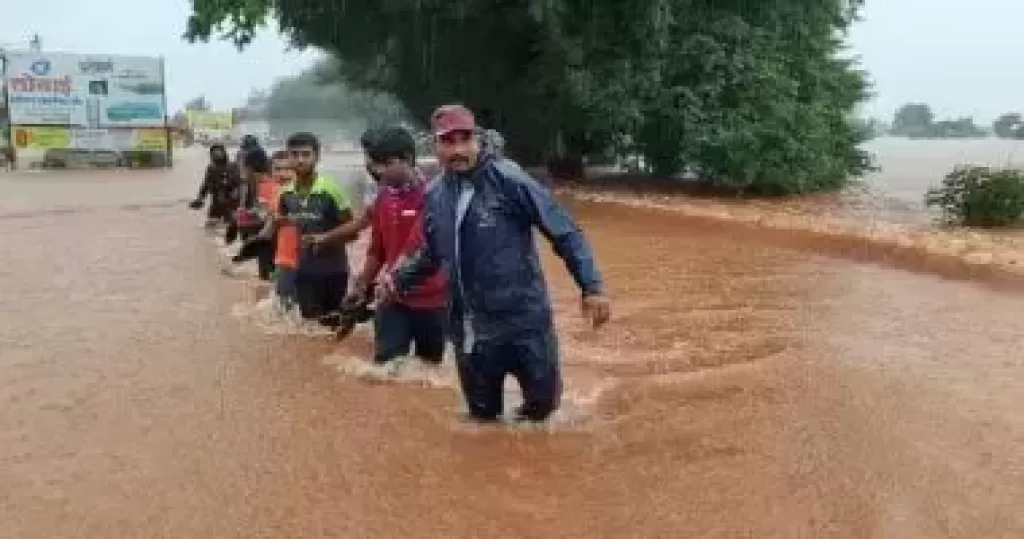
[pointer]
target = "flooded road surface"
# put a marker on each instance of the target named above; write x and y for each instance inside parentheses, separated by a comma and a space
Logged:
(742, 391)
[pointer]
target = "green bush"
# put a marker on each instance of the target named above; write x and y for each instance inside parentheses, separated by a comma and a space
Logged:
(980, 196)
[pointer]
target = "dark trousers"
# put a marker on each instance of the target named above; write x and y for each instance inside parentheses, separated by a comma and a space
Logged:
(396, 327)
(284, 285)
(234, 231)
(220, 207)
(265, 259)
(320, 297)
(533, 361)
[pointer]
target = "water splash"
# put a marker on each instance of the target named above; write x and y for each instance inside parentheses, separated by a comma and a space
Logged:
(405, 370)
(272, 317)
(577, 409)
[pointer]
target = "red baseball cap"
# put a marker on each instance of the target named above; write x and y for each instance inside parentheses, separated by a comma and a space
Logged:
(451, 118)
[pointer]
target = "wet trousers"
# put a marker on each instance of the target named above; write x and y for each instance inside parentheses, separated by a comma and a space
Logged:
(532, 360)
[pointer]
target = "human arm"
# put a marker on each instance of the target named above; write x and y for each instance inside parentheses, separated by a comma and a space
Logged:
(205, 188)
(349, 231)
(271, 220)
(562, 232)
(568, 242)
(422, 258)
(373, 263)
(340, 212)
(363, 218)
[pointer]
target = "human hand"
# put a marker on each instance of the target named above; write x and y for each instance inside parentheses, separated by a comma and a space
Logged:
(358, 293)
(597, 309)
(314, 241)
(386, 290)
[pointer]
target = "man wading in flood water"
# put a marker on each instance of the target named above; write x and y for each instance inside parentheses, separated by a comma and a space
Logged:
(419, 316)
(221, 183)
(478, 226)
(317, 208)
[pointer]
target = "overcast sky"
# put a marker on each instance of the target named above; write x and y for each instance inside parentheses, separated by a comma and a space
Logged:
(959, 56)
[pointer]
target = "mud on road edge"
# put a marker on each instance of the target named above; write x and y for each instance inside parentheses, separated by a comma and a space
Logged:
(995, 259)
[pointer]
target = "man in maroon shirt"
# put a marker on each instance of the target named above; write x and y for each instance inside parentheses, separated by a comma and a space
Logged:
(418, 317)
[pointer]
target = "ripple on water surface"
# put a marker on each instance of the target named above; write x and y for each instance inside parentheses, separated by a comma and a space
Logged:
(741, 390)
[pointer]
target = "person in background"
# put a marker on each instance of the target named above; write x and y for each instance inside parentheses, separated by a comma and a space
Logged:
(221, 184)
(493, 143)
(246, 221)
(285, 235)
(248, 145)
(491, 140)
(316, 206)
(417, 317)
(478, 226)
(255, 220)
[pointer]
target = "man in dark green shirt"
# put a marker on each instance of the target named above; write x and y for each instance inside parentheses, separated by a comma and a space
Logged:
(318, 208)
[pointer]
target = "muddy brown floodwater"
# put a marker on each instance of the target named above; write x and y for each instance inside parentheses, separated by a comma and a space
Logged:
(743, 390)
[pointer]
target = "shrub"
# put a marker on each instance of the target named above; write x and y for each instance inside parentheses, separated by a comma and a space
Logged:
(980, 196)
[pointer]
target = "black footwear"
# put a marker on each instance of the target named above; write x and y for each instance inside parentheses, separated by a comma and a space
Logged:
(250, 250)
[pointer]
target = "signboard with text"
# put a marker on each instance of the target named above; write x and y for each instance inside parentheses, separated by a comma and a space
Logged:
(53, 137)
(208, 120)
(91, 91)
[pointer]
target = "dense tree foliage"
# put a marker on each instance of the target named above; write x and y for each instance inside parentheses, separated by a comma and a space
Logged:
(916, 120)
(980, 196)
(1009, 125)
(869, 128)
(745, 94)
(318, 100)
(197, 103)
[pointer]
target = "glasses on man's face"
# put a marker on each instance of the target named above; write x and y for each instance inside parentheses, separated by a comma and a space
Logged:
(282, 170)
(301, 154)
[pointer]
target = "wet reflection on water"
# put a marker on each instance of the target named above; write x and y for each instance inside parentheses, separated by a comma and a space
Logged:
(743, 390)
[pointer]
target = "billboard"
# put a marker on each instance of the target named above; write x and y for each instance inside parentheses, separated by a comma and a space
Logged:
(42, 138)
(85, 90)
(207, 120)
(147, 139)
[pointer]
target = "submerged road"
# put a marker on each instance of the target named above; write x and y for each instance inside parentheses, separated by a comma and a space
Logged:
(743, 390)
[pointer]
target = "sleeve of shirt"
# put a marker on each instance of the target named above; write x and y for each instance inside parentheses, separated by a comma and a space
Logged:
(376, 248)
(422, 253)
(338, 195)
(559, 228)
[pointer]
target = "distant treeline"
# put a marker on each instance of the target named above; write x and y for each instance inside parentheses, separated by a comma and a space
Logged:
(917, 121)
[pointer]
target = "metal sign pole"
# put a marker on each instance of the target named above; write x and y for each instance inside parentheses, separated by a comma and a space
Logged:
(169, 161)
(5, 114)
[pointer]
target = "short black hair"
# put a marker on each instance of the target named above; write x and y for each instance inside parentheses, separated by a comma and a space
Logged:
(257, 161)
(280, 154)
(394, 143)
(303, 139)
(369, 138)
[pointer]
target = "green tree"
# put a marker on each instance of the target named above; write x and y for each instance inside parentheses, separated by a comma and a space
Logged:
(750, 96)
(913, 119)
(316, 100)
(197, 103)
(916, 120)
(1009, 125)
(958, 128)
(868, 128)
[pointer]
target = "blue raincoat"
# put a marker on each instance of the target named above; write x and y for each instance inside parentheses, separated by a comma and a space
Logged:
(478, 227)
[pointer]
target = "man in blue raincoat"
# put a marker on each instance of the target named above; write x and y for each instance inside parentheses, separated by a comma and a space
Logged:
(478, 222)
